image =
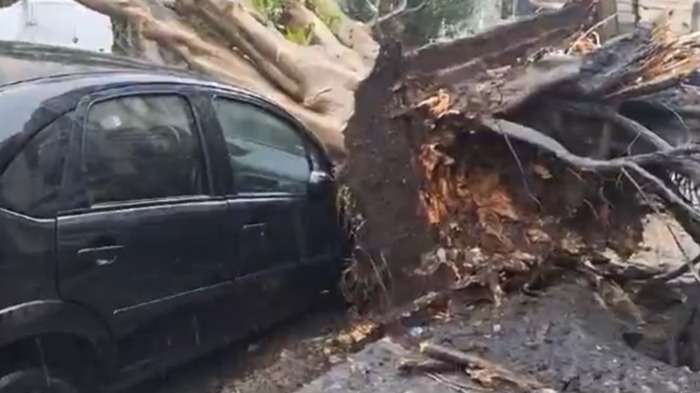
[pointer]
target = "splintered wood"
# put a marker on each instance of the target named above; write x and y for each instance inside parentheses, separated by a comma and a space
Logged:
(561, 148)
(483, 371)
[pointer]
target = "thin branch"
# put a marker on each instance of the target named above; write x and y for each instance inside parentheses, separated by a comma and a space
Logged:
(605, 113)
(688, 262)
(632, 163)
(373, 6)
(519, 162)
(673, 274)
(645, 88)
(591, 30)
(400, 10)
(476, 362)
(439, 378)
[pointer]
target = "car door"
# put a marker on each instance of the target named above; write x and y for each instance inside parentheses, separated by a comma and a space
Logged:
(144, 248)
(322, 255)
(269, 171)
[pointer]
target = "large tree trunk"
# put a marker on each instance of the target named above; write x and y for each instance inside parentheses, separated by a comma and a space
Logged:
(311, 65)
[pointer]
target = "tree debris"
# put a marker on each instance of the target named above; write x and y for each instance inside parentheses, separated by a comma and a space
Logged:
(541, 149)
(481, 370)
(426, 366)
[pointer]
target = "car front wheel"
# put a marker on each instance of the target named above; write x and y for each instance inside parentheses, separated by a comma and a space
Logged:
(34, 381)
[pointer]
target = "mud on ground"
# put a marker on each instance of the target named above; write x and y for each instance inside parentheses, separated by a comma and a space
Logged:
(564, 338)
(575, 336)
(280, 360)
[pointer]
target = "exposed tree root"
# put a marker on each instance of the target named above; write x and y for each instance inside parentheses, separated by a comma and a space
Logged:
(568, 170)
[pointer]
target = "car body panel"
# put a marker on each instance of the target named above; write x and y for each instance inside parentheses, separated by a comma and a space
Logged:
(152, 283)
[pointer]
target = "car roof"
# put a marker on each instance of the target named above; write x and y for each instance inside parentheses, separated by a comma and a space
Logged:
(39, 83)
(20, 62)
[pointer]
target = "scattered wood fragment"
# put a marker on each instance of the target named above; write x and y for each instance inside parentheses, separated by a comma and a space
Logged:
(480, 369)
(414, 366)
(673, 274)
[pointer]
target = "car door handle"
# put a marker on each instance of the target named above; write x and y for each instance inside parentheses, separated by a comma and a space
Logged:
(104, 256)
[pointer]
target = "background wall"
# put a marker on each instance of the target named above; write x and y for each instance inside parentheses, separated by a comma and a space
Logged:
(56, 22)
(649, 9)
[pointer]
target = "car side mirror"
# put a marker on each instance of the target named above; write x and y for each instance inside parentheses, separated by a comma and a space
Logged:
(320, 182)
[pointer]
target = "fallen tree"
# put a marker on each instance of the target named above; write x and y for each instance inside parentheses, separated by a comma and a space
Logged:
(482, 157)
(488, 159)
(308, 56)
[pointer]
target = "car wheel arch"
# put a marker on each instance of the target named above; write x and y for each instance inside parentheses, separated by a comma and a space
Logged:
(57, 323)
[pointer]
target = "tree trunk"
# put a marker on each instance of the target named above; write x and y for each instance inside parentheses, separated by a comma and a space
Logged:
(312, 64)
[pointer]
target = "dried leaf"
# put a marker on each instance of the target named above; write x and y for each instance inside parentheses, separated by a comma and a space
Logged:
(537, 235)
(438, 104)
(363, 331)
(499, 202)
(490, 195)
(484, 377)
(358, 335)
(572, 243)
(542, 171)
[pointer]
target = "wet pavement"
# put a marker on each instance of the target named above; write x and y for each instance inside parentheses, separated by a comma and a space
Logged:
(280, 360)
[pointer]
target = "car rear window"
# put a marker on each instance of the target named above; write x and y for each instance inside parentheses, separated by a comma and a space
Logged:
(31, 182)
(142, 147)
(27, 108)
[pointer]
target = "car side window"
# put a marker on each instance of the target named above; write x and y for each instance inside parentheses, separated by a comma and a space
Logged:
(31, 182)
(140, 148)
(266, 152)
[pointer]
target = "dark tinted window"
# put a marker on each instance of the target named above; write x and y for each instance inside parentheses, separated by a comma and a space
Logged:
(142, 147)
(266, 152)
(31, 182)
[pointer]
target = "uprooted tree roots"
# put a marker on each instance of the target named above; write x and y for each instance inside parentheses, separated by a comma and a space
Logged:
(480, 162)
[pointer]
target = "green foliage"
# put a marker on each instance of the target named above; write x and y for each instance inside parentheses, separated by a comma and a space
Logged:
(299, 35)
(447, 19)
(436, 20)
(271, 9)
(328, 11)
(332, 21)
(357, 9)
(437, 17)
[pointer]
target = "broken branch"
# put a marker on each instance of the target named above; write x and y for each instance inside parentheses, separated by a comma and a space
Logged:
(471, 361)
(412, 366)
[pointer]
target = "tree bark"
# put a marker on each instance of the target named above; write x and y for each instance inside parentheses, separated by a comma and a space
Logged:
(233, 42)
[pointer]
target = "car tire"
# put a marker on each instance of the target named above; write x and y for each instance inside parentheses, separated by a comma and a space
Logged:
(34, 381)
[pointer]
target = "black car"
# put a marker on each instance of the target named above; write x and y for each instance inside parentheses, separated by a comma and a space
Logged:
(147, 216)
